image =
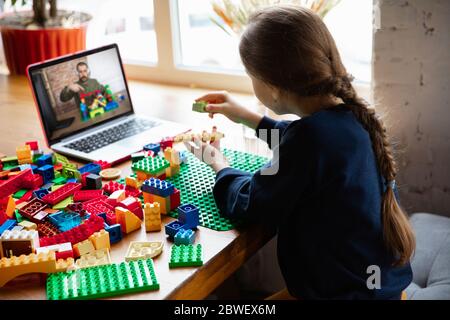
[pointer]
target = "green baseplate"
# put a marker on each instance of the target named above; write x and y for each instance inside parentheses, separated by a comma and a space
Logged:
(102, 281)
(196, 181)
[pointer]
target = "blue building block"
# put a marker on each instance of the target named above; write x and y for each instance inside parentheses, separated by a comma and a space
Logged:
(102, 215)
(91, 168)
(183, 156)
(23, 167)
(40, 193)
(8, 225)
(155, 147)
(188, 214)
(173, 227)
(72, 180)
(159, 187)
(185, 237)
(47, 172)
(65, 220)
(115, 233)
(45, 159)
(111, 105)
(34, 168)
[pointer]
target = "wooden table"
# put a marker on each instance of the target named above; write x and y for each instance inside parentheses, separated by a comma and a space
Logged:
(223, 252)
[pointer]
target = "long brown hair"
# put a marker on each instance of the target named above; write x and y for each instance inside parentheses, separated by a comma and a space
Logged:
(290, 47)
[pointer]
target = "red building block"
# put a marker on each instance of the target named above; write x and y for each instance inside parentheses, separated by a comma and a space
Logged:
(33, 210)
(166, 142)
(100, 205)
(103, 164)
(61, 193)
(83, 178)
(85, 195)
(77, 234)
(33, 181)
(33, 145)
(14, 183)
(112, 186)
(46, 229)
(175, 199)
(132, 204)
(26, 197)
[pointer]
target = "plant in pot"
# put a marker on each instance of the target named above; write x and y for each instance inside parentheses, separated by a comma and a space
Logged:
(41, 33)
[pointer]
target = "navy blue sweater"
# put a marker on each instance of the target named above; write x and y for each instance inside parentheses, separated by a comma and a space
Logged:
(325, 201)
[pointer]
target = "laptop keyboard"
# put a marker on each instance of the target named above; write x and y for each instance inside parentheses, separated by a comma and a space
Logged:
(111, 135)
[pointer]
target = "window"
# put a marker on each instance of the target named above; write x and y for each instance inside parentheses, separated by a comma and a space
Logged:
(130, 25)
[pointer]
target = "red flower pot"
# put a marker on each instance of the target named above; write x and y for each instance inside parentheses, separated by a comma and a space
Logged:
(23, 47)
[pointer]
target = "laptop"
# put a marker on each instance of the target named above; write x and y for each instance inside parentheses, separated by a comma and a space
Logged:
(85, 107)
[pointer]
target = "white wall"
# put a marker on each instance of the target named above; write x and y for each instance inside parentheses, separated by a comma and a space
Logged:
(411, 86)
(105, 67)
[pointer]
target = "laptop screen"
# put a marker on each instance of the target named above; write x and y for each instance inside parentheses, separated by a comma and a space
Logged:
(77, 92)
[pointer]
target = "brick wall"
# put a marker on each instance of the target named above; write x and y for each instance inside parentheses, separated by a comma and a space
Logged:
(411, 86)
(58, 77)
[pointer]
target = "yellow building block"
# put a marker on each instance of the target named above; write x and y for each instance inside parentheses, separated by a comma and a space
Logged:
(13, 267)
(17, 243)
(164, 203)
(10, 206)
(128, 220)
(172, 156)
(152, 217)
(143, 250)
(131, 182)
(83, 247)
(23, 153)
(28, 225)
(96, 258)
(172, 171)
(96, 112)
(100, 240)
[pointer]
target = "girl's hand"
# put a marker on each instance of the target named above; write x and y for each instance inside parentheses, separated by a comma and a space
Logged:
(222, 102)
(208, 153)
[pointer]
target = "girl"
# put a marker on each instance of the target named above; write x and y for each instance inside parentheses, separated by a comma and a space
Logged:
(341, 232)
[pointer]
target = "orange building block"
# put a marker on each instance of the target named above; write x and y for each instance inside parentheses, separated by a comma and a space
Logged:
(100, 240)
(128, 221)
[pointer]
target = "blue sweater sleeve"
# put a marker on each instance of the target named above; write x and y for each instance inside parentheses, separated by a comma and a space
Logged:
(241, 195)
(266, 129)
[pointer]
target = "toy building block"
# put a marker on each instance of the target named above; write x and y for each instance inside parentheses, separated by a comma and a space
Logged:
(186, 256)
(65, 220)
(19, 194)
(184, 237)
(24, 154)
(33, 210)
(46, 172)
(133, 204)
(173, 227)
(77, 234)
(47, 229)
(155, 147)
(91, 168)
(96, 258)
(13, 267)
(82, 248)
(45, 159)
(135, 157)
(70, 173)
(131, 182)
(103, 281)
(40, 193)
(97, 206)
(116, 197)
(199, 106)
(93, 182)
(112, 186)
(61, 193)
(85, 195)
(100, 240)
(33, 145)
(63, 204)
(13, 183)
(18, 228)
(152, 217)
(154, 166)
(158, 187)
(166, 143)
(115, 232)
(62, 250)
(28, 225)
(173, 156)
(16, 243)
(128, 220)
(59, 180)
(188, 214)
(143, 250)
(103, 164)
(10, 207)
(175, 199)
(7, 225)
(164, 202)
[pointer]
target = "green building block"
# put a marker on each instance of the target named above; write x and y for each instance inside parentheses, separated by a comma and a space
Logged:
(103, 281)
(19, 194)
(59, 180)
(151, 165)
(63, 204)
(19, 217)
(196, 181)
(186, 256)
(199, 106)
